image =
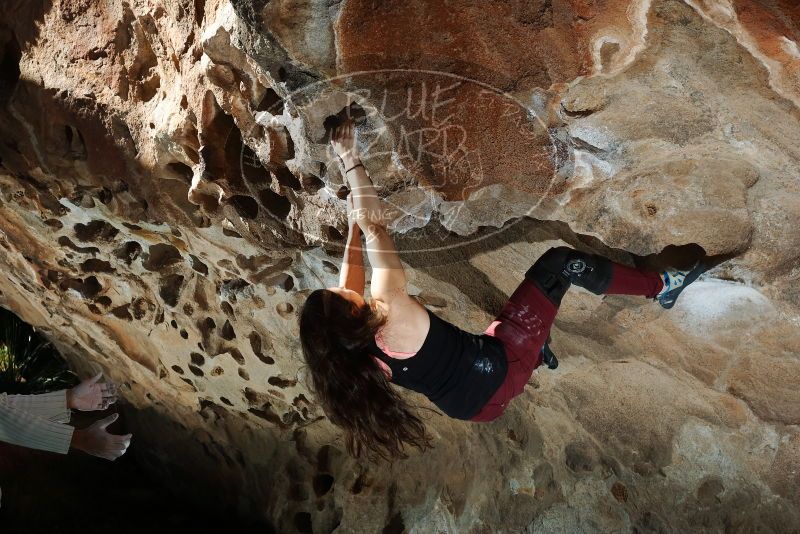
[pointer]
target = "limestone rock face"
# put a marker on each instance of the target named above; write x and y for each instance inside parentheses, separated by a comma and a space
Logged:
(168, 199)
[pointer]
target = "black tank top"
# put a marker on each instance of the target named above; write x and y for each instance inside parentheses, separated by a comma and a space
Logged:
(456, 370)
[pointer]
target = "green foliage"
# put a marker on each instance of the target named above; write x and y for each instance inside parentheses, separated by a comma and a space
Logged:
(28, 363)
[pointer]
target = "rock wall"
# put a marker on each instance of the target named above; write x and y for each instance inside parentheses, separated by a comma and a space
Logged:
(167, 201)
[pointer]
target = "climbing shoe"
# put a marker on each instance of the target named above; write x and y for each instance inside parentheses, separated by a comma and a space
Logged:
(548, 357)
(676, 281)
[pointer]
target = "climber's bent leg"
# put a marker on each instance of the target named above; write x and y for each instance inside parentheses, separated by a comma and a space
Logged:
(525, 320)
(523, 326)
(631, 281)
(560, 267)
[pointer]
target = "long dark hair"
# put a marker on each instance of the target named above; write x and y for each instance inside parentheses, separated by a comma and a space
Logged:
(336, 336)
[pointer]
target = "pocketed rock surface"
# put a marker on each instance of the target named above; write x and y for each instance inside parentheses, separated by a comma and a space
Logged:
(168, 199)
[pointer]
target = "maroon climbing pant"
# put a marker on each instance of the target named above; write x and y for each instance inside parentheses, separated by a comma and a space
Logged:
(524, 325)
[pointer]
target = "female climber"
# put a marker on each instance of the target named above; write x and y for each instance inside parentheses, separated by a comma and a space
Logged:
(356, 348)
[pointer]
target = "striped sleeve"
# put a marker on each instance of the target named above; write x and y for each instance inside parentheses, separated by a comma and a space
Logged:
(51, 406)
(19, 427)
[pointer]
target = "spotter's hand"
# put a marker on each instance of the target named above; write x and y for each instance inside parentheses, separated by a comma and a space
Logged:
(90, 395)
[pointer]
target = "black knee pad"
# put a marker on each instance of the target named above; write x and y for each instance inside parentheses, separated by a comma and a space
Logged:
(560, 267)
(548, 273)
(590, 271)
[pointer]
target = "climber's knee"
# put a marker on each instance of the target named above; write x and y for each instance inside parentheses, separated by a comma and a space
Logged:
(548, 273)
(560, 267)
(590, 271)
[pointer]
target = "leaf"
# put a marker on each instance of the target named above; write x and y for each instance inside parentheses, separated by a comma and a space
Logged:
(29, 364)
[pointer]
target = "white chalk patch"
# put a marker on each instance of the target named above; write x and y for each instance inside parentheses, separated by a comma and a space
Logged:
(790, 47)
(492, 205)
(411, 209)
(711, 304)
(590, 169)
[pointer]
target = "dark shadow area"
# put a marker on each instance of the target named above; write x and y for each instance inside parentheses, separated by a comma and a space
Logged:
(49, 494)
(10, 56)
(25, 18)
(43, 492)
(679, 256)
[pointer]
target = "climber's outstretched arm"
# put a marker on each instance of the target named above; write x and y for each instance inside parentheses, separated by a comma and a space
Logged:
(352, 275)
(388, 277)
(367, 205)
